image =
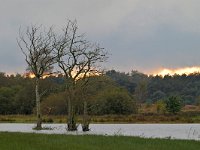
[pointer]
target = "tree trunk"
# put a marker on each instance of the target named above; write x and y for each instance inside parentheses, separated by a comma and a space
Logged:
(85, 125)
(39, 120)
(69, 119)
(71, 114)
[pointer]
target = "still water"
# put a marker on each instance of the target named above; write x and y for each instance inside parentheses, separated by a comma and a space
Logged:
(172, 131)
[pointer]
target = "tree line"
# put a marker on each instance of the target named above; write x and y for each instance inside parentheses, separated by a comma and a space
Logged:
(103, 95)
(112, 93)
(150, 89)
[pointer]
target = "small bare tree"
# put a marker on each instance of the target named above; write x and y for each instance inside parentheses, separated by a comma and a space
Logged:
(78, 59)
(37, 46)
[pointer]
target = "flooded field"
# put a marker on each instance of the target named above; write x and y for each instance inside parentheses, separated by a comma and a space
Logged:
(172, 131)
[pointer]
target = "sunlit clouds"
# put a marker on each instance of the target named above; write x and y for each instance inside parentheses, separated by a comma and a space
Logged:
(178, 71)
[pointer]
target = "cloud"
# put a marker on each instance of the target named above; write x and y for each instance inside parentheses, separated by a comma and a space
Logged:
(144, 34)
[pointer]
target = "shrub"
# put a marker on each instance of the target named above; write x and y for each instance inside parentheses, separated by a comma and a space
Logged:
(54, 104)
(160, 107)
(113, 101)
(173, 104)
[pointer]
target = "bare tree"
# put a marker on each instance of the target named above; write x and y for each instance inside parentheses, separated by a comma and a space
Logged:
(37, 46)
(78, 60)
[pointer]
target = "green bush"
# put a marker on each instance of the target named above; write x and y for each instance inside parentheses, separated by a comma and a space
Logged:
(173, 104)
(54, 104)
(113, 101)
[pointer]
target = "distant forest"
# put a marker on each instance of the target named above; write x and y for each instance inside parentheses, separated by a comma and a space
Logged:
(150, 89)
(112, 93)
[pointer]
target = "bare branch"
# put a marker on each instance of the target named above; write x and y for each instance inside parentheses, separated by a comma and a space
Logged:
(76, 56)
(37, 46)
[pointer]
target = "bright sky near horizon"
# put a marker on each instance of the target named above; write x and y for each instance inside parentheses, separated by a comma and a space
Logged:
(143, 35)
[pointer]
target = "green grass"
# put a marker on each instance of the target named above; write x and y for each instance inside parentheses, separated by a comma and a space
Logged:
(30, 141)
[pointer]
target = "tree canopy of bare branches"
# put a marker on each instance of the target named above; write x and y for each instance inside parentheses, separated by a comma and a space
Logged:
(78, 59)
(76, 56)
(37, 46)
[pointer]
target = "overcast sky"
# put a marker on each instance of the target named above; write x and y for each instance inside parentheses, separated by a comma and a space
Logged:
(142, 35)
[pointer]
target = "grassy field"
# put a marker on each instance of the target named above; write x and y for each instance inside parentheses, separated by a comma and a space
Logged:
(147, 114)
(22, 141)
(137, 118)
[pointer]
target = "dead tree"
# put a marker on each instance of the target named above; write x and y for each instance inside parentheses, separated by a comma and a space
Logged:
(37, 46)
(78, 59)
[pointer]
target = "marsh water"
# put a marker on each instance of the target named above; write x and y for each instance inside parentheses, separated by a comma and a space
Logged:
(172, 131)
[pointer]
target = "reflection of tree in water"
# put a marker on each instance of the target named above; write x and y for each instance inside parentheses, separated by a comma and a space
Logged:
(193, 133)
